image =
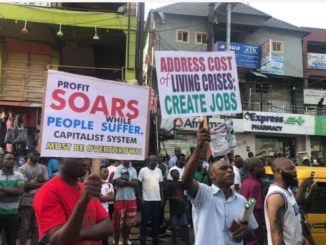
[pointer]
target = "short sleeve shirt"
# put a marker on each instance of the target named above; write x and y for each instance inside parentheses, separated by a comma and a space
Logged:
(128, 174)
(55, 202)
(210, 207)
(150, 180)
(181, 170)
(31, 173)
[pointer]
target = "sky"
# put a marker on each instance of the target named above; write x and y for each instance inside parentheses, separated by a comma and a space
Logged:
(301, 14)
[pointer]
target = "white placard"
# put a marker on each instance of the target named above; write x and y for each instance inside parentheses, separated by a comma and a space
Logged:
(93, 118)
(197, 83)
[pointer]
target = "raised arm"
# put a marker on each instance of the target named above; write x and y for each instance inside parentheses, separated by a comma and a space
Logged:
(188, 181)
(276, 211)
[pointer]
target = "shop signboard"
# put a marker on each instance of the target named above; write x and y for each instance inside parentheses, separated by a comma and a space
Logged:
(266, 54)
(275, 66)
(93, 118)
(316, 61)
(313, 96)
(269, 122)
(246, 55)
(192, 123)
(197, 83)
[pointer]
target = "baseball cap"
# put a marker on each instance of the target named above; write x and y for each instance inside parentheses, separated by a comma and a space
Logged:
(305, 158)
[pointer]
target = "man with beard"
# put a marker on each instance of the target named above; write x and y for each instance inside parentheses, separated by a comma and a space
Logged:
(69, 212)
(282, 215)
(215, 207)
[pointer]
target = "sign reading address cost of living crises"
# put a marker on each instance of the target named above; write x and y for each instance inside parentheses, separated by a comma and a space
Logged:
(93, 118)
(197, 83)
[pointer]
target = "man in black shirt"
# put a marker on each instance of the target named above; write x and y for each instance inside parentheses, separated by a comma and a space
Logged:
(320, 106)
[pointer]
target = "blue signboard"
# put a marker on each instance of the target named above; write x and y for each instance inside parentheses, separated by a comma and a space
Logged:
(275, 66)
(246, 55)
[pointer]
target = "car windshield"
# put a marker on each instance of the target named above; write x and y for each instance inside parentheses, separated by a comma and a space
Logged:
(318, 200)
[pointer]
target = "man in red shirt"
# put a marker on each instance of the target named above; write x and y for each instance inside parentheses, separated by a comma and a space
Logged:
(252, 187)
(69, 212)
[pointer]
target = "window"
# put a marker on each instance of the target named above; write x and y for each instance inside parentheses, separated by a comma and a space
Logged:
(200, 38)
(277, 47)
(183, 36)
(318, 197)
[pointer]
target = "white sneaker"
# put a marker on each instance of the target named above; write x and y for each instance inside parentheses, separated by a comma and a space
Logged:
(128, 241)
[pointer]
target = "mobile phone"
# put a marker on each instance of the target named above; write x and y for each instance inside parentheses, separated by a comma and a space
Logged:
(312, 174)
(233, 226)
(43, 241)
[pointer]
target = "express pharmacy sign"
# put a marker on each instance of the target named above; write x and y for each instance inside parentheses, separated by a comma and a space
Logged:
(278, 123)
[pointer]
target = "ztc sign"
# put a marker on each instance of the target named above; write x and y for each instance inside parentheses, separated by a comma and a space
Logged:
(279, 123)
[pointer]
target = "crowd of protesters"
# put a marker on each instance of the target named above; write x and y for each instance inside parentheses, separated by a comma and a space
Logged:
(62, 202)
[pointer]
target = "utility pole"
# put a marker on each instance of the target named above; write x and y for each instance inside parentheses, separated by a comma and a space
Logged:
(228, 27)
(210, 31)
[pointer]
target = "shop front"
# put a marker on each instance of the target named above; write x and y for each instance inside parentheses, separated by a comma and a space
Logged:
(279, 134)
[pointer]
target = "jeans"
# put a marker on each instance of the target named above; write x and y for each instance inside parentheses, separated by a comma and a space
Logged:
(152, 209)
(181, 219)
(8, 222)
(28, 219)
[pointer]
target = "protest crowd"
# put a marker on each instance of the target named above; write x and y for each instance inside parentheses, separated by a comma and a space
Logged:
(59, 200)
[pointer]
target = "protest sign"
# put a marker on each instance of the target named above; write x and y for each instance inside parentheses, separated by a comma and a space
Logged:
(94, 118)
(197, 83)
(223, 139)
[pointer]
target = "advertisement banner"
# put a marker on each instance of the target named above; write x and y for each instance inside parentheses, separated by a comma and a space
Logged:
(275, 66)
(266, 55)
(246, 55)
(313, 96)
(93, 118)
(223, 139)
(316, 61)
(269, 122)
(192, 123)
(197, 83)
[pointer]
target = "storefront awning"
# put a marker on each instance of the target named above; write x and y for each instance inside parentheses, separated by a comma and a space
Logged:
(20, 104)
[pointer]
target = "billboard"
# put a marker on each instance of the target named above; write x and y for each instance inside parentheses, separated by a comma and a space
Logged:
(246, 55)
(316, 61)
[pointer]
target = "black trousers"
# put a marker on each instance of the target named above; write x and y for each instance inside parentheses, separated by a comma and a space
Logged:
(8, 222)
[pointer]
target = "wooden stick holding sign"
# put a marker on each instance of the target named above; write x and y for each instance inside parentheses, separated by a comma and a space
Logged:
(96, 166)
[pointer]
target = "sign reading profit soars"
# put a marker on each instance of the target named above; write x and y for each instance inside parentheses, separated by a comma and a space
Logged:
(197, 83)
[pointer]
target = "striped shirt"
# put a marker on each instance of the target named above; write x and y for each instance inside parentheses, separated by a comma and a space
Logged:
(9, 204)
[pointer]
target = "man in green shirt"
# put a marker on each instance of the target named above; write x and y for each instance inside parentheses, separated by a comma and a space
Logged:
(201, 174)
(11, 186)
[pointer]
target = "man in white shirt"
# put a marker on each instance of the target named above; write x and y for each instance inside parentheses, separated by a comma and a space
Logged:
(238, 163)
(173, 160)
(180, 166)
(282, 215)
(151, 191)
(215, 207)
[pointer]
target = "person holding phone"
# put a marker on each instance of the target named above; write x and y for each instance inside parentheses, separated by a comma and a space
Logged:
(216, 206)
(69, 212)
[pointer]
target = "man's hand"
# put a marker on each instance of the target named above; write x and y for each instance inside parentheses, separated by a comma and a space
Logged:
(92, 188)
(305, 241)
(203, 135)
(241, 233)
(142, 203)
(306, 183)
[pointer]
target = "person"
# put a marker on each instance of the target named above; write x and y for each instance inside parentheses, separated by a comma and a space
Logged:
(202, 157)
(201, 174)
(173, 160)
(250, 154)
(125, 209)
(180, 166)
(107, 194)
(69, 212)
(320, 106)
(216, 206)
(230, 158)
(161, 165)
(11, 186)
(268, 161)
(238, 164)
(151, 198)
(306, 161)
(252, 187)
(35, 176)
(280, 203)
(113, 166)
(178, 213)
(53, 167)
(192, 149)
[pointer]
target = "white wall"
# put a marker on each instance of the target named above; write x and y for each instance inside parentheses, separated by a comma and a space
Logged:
(244, 140)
